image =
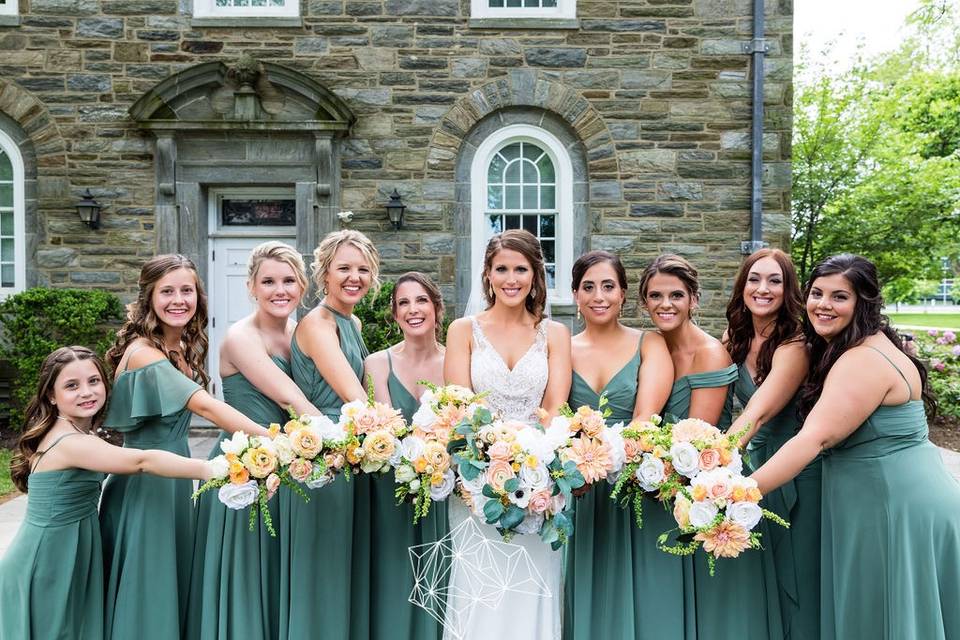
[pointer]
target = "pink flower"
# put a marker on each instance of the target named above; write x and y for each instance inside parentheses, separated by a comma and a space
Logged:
(592, 458)
(933, 333)
(498, 473)
(300, 469)
(937, 364)
(499, 450)
(273, 483)
(942, 340)
(632, 449)
(949, 336)
(709, 459)
(366, 421)
(539, 502)
(956, 350)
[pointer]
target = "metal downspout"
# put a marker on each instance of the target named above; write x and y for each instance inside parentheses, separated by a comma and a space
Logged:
(758, 48)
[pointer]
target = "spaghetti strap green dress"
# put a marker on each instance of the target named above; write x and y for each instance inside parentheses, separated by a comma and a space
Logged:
(235, 587)
(617, 582)
(392, 533)
(891, 533)
(740, 600)
(798, 502)
(147, 522)
(51, 578)
(319, 538)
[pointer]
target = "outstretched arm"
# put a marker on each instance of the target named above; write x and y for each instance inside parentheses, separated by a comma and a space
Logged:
(787, 372)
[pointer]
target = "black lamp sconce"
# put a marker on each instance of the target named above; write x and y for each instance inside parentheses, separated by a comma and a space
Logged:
(395, 209)
(89, 210)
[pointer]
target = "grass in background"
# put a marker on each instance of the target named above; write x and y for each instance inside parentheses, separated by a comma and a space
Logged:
(939, 320)
(6, 485)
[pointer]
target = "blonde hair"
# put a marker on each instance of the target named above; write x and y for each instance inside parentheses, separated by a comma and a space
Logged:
(281, 252)
(323, 256)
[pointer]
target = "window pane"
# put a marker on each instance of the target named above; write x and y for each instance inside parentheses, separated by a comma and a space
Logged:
(513, 173)
(6, 250)
(255, 212)
(546, 169)
(258, 3)
(514, 3)
(512, 222)
(495, 172)
(6, 276)
(6, 223)
(495, 197)
(549, 3)
(548, 198)
(496, 3)
(547, 226)
(551, 275)
(548, 253)
(511, 152)
(530, 224)
(496, 224)
(513, 197)
(530, 197)
(6, 194)
(6, 166)
(531, 151)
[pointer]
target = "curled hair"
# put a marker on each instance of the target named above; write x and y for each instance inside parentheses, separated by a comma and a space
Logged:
(587, 260)
(327, 249)
(527, 245)
(673, 265)
(433, 292)
(41, 413)
(281, 252)
(867, 320)
(786, 326)
(142, 321)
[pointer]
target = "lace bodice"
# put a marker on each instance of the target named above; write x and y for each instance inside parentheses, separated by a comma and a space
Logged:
(514, 393)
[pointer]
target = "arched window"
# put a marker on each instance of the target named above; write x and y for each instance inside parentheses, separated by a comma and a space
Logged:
(12, 250)
(522, 178)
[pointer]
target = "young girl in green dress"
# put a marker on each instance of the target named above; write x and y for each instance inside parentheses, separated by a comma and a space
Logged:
(417, 307)
(147, 523)
(51, 578)
(325, 544)
(703, 388)
(616, 578)
(765, 339)
(890, 558)
(235, 586)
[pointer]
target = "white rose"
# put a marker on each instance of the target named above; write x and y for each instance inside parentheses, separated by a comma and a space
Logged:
(745, 514)
(415, 485)
(530, 524)
(239, 496)
(424, 417)
(285, 454)
(736, 464)
(371, 466)
(236, 443)
(613, 437)
(702, 513)
(404, 474)
(534, 441)
(397, 456)
(219, 468)
(534, 478)
(685, 459)
(442, 490)
(327, 428)
(412, 447)
(319, 480)
(474, 486)
(650, 472)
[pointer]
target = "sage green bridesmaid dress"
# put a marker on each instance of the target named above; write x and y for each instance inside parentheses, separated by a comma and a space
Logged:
(147, 522)
(891, 533)
(618, 584)
(321, 589)
(51, 578)
(798, 502)
(235, 587)
(740, 600)
(392, 533)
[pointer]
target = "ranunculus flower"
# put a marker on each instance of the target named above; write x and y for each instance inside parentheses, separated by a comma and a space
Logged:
(500, 450)
(539, 501)
(239, 496)
(685, 459)
(284, 449)
(702, 513)
(436, 456)
(260, 461)
(709, 459)
(650, 472)
(745, 514)
(236, 443)
(273, 483)
(379, 446)
(300, 469)
(445, 487)
(219, 468)
(306, 442)
(498, 473)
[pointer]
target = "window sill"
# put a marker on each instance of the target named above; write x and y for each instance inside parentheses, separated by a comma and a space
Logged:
(247, 21)
(9, 21)
(524, 23)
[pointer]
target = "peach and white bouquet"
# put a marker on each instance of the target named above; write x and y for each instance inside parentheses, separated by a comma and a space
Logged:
(316, 447)
(513, 476)
(249, 472)
(595, 448)
(373, 432)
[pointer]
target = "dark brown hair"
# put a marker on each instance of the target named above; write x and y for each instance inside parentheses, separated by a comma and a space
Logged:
(673, 265)
(41, 413)
(142, 321)
(433, 292)
(587, 260)
(786, 326)
(867, 320)
(526, 244)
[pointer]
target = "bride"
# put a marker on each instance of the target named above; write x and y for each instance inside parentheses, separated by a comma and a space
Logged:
(521, 360)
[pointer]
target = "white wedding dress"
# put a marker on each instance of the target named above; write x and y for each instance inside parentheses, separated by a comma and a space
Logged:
(515, 394)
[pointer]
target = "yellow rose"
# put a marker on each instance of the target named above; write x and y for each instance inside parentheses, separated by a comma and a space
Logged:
(273, 430)
(291, 426)
(260, 461)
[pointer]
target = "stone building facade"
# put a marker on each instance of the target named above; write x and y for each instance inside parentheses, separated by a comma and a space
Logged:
(631, 119)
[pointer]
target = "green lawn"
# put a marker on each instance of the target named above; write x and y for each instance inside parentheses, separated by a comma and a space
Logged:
(6, 485)
(940, 320)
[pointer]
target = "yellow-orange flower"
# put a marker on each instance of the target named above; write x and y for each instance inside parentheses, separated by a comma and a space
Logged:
(738, 494)
(726, 540)
(726, 457)
(306, 442)
(699, 492)
(379, 446)
(291, 426)
(754, 495)
(238, 473)
(436, 455)
(273, 430)
(420, 465)
(681, 511)
(260, 461)
(353, 455)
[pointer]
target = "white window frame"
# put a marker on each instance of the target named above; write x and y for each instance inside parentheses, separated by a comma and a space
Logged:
(209, 9)
(565, 9)
(12, 150)
(563, 167)
(11, 8)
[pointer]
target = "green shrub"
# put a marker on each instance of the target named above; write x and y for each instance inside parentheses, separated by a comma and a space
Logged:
(39, 320)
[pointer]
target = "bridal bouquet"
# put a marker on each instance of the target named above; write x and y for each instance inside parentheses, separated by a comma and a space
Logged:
(423, 470)
(250, 471)
(514, 478)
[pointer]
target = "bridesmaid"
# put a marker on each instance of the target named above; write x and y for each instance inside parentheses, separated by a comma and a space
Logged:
(417, 308)
(617, 581)
(147, 522)
(703, 388)
(890, 560)
(765, 339)
(324, 544)
(51, 578)
(235, 587)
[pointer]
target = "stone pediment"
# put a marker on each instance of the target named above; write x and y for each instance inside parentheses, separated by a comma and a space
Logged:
(249, 95)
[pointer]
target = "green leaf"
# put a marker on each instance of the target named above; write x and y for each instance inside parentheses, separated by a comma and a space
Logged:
(511, 485)
(513, 516)
(492, 511)
(490, 492)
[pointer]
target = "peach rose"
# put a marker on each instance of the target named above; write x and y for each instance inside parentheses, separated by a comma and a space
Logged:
(539, 501)
(300, 469)
(500, 451)
(719, 489)
(632, 449)
(273, 483)
(365, 421)
(498, 473)
(709, 459)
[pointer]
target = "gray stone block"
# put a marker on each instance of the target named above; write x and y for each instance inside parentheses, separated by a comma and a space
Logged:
(468, 67)
(91, 83)
(628, 26)
(680, 190)
(422, 7)
(99, 28)
(65, 7)
(311, 46)
(555, 57)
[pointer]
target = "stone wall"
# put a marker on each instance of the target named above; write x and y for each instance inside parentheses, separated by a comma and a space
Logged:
(657, 92)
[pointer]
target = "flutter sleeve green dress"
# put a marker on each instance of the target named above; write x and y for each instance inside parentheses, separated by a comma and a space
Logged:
(318, 539)
(147, 522)
(618, 584)
(235, 588)
(392, 533)
(740, 600)
(798, 502)
(891, 533)
(51, 578)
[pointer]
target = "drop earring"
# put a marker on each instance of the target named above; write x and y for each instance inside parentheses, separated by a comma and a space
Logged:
(579, 318)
